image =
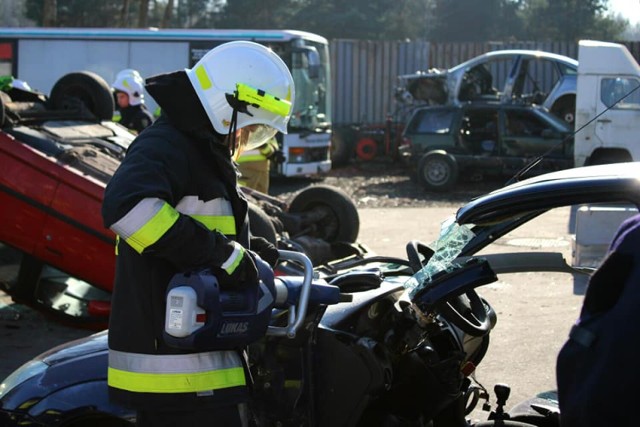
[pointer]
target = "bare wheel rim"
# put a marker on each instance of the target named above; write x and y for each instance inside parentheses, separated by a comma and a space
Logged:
(437, 171)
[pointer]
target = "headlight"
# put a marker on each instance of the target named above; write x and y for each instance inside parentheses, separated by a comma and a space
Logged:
(20, 375)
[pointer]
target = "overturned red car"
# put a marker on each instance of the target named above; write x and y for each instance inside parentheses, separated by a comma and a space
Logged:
(56, 155)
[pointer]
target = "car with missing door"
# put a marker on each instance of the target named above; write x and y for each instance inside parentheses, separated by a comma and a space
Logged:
(507, 76)
(476, 140)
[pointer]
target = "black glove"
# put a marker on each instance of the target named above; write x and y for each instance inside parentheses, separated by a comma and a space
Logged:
(238, 269)
(265, 250)
(277, 156)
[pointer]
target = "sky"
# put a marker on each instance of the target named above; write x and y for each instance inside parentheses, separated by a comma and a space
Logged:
(629, 9)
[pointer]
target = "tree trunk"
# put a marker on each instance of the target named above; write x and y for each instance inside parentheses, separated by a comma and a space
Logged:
(49, 13)
(166, 17)
(144, 12)
(124, 14)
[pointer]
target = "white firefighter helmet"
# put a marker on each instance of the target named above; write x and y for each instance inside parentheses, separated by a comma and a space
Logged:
(130, 82)
(249, 79)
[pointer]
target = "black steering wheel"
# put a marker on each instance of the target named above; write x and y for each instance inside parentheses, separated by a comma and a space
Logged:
(467, 311)
(470, 313)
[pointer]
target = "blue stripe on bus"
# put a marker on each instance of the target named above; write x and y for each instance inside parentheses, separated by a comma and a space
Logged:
(136, 35)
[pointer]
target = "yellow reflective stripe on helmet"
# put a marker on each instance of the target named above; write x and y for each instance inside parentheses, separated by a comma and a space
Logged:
(146, 223)
(203, 77)
(176, 382)
(261, 99)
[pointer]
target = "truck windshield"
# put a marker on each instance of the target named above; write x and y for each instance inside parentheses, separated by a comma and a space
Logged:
(311, 73)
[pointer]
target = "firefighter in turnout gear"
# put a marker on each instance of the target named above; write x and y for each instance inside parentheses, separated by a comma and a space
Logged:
(175, 205)
(254, 165)
(131, 112)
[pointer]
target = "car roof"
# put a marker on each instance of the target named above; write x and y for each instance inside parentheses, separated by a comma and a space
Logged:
(618, 182)
(513, 52)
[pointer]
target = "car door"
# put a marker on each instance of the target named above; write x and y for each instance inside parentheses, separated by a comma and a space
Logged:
(527, 135)
(619, 123)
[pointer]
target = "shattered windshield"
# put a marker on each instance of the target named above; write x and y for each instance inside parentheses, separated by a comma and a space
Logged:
(453, 238)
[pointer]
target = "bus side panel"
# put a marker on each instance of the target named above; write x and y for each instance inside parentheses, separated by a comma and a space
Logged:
(42, 63)
(151, 58)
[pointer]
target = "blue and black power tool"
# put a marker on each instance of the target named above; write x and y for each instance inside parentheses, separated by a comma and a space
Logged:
(201, 316)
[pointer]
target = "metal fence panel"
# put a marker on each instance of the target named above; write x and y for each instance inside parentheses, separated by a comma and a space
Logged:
(365, 71)
(364, 76)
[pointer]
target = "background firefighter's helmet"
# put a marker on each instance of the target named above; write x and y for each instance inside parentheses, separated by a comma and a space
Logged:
(130, 82)
(251, 78)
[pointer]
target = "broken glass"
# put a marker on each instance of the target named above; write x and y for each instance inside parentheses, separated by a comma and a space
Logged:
(453, 238)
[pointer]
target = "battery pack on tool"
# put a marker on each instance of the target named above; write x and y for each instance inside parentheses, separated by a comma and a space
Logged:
(203, 317)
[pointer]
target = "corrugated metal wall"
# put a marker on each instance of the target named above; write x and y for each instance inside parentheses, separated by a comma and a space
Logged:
(364, 72)
(364, 75)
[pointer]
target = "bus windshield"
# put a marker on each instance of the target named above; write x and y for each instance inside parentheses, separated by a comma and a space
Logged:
(311, 75)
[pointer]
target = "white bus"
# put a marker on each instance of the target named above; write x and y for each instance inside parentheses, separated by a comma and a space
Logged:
(40, 56)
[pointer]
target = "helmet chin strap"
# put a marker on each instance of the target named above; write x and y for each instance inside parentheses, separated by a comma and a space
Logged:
(237, 106)
(232, 132)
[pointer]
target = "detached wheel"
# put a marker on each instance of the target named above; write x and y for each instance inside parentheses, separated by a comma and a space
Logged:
(261, 225)
(86, 87)
(437, 172)
(342, 146)
(329, 212)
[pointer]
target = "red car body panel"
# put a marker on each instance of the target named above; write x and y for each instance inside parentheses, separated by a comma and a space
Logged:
(52, 211)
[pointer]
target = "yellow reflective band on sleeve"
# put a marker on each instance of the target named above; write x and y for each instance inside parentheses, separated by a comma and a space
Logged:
(224, 224)
(251, 158)
(261, 99)
(234, 259)
(269, 148)
(203, 77)
(176, 382)
(153, 229)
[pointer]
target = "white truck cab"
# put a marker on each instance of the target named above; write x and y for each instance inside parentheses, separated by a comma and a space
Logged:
(608, 79)
(608, 99)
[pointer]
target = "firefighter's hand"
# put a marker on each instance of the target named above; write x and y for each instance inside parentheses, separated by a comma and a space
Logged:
(277, 157)
(238, 270)
(265, 250)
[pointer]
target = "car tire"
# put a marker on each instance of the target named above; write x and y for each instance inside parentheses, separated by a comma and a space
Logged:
(342, 145)
(340, 220)
(607, 156)
(261, 225)
(437, 172)
(87, 87)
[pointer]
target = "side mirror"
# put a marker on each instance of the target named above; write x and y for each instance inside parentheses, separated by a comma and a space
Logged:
(312, 57)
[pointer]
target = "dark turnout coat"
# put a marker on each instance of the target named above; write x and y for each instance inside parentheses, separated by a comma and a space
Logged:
(172, 203)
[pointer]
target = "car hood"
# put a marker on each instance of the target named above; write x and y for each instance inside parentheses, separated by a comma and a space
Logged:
(495, 214)
(79, 348)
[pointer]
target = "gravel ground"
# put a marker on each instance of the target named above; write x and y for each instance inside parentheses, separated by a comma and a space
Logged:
(383, 184)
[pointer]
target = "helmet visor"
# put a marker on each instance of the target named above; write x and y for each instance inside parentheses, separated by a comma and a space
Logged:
(253, 136)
